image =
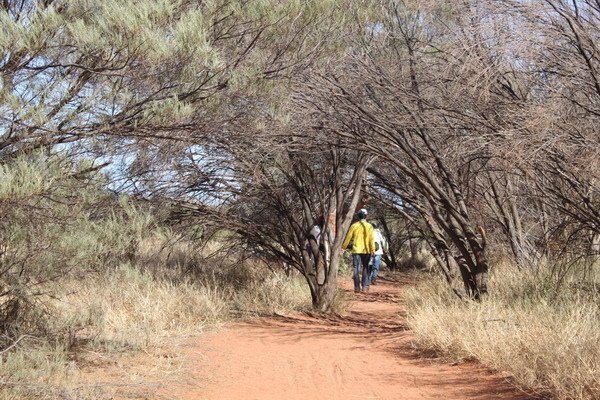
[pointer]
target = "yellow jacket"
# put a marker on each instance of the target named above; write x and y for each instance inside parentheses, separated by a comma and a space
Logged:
(362, 238)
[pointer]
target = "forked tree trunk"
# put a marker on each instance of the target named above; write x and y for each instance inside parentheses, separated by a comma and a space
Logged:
(326, 291)
(475, 277)
(322, 280)
(472, 262)
(321, 259)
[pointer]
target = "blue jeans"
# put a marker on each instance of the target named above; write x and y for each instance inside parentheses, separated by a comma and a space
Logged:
(376, 266)
(361, 260)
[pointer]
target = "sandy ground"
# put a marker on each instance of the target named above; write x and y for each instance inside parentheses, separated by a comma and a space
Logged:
(365, 354)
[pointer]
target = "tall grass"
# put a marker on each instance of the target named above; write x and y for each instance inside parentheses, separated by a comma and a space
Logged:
(545, 334)
(130, 309)
(127, 309)
(83, 271)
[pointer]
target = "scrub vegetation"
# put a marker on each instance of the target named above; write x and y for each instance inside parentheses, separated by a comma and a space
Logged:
(542, 332)
(164, 162)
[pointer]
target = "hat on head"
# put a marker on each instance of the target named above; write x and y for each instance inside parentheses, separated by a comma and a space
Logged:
(362, 213)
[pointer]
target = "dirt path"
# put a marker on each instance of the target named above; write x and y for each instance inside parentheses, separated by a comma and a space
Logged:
(363, 355)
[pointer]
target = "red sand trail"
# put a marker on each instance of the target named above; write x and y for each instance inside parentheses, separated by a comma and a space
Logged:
(365, 355)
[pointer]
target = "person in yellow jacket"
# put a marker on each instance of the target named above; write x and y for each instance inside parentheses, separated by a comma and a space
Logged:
(361, 242)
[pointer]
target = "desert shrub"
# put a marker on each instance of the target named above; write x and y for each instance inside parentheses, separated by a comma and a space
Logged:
(57, 221)
(84, 270)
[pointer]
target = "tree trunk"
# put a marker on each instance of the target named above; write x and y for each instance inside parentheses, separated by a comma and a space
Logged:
(596, 243)
(388, 256)
(474, 279)
(325, 295)
(595, 248)
(323, 291)
(413, 249)
(321, 270)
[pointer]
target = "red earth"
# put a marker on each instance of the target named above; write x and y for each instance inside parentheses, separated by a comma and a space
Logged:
(365, 354)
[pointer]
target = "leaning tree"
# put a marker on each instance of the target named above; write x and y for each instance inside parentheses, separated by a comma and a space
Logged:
(150, 81)
(432, 100)
(289, 194)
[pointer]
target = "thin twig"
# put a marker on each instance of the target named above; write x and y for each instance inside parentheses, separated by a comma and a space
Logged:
(15, 343)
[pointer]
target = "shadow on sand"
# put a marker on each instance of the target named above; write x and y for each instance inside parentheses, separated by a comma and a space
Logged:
(377, 321)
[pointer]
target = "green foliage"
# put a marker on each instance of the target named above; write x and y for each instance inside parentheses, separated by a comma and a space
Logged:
(80, 69)
(57, 222)
(26, 178)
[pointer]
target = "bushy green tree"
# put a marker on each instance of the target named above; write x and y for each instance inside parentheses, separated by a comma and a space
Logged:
(139, 69)
(58, 221)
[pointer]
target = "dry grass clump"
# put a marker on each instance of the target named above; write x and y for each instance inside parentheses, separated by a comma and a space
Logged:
(420, 260)
(275, 293)
(132, 309)
(546, 336)
(127, 309)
